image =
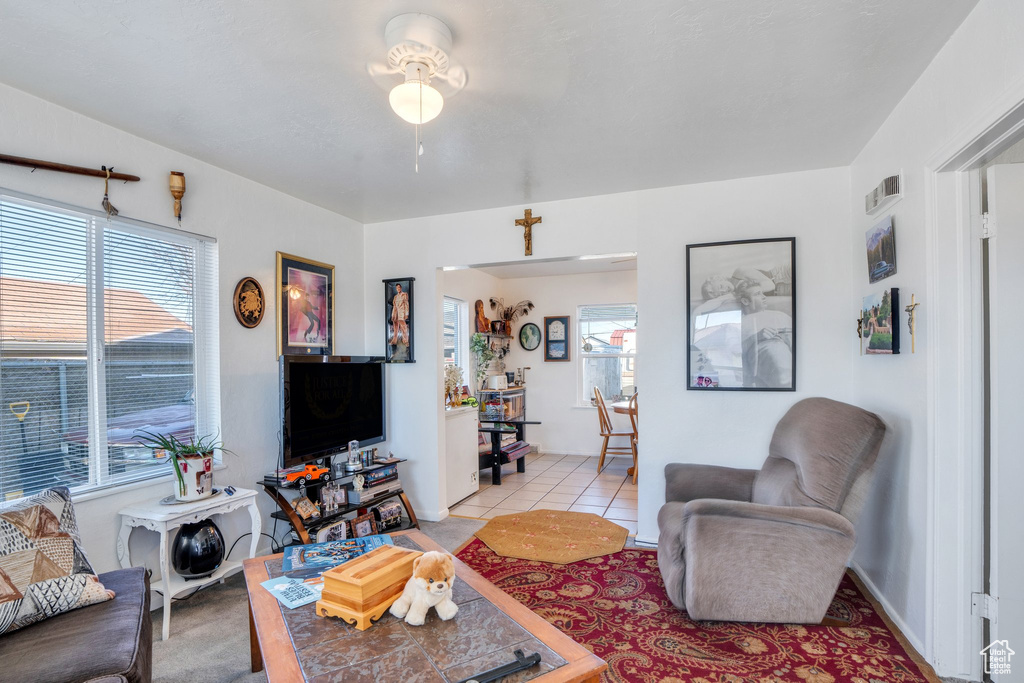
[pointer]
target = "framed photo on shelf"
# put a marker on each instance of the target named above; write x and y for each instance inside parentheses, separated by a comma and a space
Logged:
(305, 307)
(333, 532)
(556, 338)
(363, 525)
(398, 320)
(741, 315)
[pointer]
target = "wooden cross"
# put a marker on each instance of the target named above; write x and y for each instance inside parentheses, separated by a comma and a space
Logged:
(527, 222)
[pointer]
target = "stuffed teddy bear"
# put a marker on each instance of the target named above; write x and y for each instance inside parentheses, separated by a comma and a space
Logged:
(430, 585)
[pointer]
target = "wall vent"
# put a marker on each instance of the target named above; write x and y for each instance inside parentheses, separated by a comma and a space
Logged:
(888, 192)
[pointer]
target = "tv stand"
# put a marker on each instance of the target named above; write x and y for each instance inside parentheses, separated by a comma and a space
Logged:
(303, 527)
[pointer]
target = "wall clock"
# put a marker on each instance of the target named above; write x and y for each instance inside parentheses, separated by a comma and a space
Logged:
(529, 336)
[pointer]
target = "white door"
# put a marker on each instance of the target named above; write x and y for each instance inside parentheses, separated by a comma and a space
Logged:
(1006, 348)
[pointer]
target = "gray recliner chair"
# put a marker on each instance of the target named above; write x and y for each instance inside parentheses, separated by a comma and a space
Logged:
(770, 545)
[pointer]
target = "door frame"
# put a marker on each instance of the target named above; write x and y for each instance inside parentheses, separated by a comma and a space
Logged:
(955, 388)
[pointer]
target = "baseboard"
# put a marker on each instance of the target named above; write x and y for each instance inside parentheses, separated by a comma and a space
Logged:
(890, 611)
(648, 541)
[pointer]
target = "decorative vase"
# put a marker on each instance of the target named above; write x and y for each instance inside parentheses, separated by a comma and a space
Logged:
(196, 480)
(198, 550)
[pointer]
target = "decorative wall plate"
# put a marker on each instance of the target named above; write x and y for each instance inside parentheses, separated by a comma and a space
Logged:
(529, 336)
(249, 302)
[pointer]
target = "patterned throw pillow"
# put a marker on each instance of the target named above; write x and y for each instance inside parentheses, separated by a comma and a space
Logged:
(43, 569)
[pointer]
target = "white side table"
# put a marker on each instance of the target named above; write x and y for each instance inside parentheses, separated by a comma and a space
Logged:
(164, 519)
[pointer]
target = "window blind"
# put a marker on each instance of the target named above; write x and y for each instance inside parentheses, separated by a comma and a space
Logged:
(453, 332)
(107, 328)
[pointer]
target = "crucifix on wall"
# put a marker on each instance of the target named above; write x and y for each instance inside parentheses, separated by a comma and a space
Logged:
(527, 222)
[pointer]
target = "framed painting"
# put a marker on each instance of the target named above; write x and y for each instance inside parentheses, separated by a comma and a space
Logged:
(398, 320)
(881, 249)
(529, 336)
(880, 323)
(305, 307)
(556, 338)
(741, 315)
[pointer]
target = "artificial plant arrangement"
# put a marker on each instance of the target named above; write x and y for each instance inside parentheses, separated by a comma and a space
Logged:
(480, 347)
(510, 313)
(180, 453)
(453, 384)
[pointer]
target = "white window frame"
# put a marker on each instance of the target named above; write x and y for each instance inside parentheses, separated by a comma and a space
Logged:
(206, 331)
(583, 401)
(461, 335)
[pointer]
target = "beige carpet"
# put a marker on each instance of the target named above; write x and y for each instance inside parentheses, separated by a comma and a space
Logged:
(552, 536)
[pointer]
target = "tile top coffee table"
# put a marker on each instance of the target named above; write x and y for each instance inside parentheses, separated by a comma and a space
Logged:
(297, 645)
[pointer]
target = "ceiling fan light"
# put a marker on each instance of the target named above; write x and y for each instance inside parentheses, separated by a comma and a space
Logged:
(405, 100)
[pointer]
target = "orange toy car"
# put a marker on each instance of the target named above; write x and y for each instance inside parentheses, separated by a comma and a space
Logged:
(310, 473)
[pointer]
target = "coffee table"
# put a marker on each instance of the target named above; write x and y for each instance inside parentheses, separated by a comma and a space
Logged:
(297, 645)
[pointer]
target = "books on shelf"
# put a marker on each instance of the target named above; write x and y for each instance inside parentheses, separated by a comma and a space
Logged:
(365, 495)
(379, 476)
(332, 553)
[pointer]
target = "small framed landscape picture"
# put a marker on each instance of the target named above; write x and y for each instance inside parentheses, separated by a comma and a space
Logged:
(556, 338)
(881, 246)
(879, 325)
(741, 313)
(305, 308)
(364, 525)
(398, 320)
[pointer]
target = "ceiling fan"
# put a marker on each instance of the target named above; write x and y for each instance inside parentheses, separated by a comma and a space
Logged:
(419, 47)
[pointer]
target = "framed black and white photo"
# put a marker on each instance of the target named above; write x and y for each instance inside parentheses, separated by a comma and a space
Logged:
(741, 313)
(398, 322)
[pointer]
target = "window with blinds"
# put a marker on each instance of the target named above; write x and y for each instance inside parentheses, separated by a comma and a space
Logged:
(456, 340)
(607, 351)
(107, 329)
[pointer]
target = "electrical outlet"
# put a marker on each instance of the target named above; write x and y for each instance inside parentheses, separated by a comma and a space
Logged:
(473, 477)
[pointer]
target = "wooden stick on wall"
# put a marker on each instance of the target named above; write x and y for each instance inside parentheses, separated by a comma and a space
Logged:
(65, 168)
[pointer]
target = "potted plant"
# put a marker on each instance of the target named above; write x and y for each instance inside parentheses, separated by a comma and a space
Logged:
(481, 348)
(192, 461)
(453, 385)
(510, 313)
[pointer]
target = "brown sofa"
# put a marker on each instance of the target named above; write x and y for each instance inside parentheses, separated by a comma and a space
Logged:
(770, 545)
(104, 643)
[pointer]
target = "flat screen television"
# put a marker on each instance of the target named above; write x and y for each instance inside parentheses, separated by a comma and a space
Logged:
(327, 401)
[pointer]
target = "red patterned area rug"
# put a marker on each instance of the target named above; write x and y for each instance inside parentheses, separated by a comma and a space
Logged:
(616, 606)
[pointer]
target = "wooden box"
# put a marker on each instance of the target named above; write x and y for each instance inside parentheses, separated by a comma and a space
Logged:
(361, 590)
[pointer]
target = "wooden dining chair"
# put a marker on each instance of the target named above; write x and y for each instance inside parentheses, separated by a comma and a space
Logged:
(607, 432)
(633, 411)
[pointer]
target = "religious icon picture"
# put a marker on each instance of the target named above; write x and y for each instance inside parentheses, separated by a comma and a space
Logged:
(305, 311)
(741, 313)
(556, 338)
(398, 320)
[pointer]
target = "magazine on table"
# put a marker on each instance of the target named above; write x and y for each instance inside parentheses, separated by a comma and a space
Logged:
(293, 592)
(332, 553)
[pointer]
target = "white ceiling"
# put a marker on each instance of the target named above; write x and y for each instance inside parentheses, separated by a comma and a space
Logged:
(565, 99)
(559, 266)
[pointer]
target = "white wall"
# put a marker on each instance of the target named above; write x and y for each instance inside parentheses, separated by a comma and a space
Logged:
(251, 222)
(957, 94)
(677, 426)
(552, 387)
(419, 248)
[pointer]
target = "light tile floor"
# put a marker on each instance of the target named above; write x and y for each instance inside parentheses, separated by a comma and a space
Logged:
(557, 482)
